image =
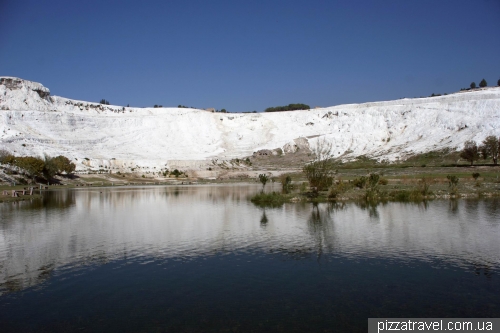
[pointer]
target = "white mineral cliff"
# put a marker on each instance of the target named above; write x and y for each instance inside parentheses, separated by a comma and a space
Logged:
(34, 123)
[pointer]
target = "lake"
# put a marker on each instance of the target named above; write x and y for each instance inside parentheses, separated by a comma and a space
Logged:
(205, 259)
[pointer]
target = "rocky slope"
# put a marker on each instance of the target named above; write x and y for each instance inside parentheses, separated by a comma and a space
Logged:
(32, 122)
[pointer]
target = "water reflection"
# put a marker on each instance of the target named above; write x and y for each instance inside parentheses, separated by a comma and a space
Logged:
(264, 219)
(73, 228)
(371, 207)
(453, 206)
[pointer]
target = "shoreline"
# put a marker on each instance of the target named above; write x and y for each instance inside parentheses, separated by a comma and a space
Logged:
(353, 195)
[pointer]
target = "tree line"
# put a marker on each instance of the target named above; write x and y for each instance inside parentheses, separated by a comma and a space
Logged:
(289, 107)
(32, 166)
(482, 84)
(489, 148)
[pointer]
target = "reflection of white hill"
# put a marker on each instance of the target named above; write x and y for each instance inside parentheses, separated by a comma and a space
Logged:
(82, 226)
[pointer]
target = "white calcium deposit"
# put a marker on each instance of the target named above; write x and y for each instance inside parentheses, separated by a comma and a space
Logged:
(34, 123)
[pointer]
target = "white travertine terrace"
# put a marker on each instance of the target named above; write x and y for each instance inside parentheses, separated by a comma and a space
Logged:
(34, 123)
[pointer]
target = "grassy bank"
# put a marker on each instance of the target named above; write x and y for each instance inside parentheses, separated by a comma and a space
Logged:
(403, 187)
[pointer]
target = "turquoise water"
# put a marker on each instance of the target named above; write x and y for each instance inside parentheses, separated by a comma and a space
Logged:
(205, 259)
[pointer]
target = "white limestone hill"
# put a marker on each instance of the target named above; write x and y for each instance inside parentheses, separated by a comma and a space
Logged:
(34, 123)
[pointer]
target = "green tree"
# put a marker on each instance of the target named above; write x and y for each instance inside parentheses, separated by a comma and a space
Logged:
(470, 151)
(491, 146)
(50, 167)
(6, 157)
(176, 173)
(483, 150)
(64, 165)
(473, 85)
(57, 165)
(483, 83)
(498, 82)
(32, 166)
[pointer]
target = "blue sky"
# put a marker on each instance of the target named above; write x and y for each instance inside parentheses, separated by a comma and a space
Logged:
(249, 55)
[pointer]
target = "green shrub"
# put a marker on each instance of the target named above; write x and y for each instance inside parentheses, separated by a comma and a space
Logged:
(373, 180)
(176, 173)
(401, 195)
(360, 182)
(423, 187)
(453, 184)
(372, 193)
(273, 199)
(452, 180)
(337, 189)
(286, 182)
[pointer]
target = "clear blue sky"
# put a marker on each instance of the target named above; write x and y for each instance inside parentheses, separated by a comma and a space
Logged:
(249, 55)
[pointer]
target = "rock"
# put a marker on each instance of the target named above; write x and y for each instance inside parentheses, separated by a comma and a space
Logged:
(263, 152)
(299, 143)
(14, 83)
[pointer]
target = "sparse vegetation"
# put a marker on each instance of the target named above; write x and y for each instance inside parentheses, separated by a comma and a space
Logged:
(453, 180)
(286, 182)
(359, 182)
(337, 189)
(320, 172)
(263, 178)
